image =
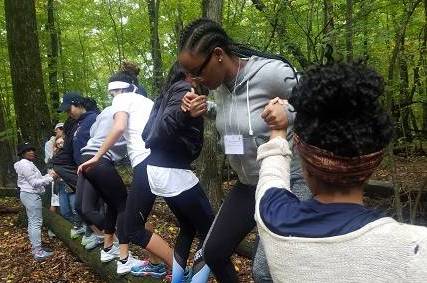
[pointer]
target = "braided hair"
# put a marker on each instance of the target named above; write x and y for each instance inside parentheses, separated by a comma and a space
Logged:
(203, 35)
(338, 109)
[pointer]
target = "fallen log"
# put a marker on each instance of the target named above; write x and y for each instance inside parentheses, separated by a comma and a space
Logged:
(61, 228)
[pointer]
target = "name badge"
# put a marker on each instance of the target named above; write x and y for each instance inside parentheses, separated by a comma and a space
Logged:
(233, 144)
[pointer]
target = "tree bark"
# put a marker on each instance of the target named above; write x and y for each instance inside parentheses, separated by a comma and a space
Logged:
(210, 162)
(53, 57)
(153, 12)
(326, 56)
(212, 9)
(32, 114)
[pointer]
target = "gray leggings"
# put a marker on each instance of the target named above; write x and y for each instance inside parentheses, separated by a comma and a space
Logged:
(33, 206)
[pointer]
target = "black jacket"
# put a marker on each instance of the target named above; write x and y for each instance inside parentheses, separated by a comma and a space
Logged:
(174, 137)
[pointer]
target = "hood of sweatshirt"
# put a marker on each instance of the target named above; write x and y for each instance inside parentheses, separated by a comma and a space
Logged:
(240, 104)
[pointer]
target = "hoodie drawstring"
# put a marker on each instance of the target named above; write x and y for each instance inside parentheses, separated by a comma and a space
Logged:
(251, 132)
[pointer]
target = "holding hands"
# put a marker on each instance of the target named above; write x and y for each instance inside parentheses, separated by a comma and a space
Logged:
(275, 116)
(195, 104)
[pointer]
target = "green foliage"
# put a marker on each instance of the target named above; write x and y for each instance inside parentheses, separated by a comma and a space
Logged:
(95, 35)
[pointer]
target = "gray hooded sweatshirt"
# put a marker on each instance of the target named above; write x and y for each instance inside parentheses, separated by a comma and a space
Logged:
(239, 112)
(99, 132)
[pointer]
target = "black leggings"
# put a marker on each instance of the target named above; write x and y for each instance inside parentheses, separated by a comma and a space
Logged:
(110, 187)
(88, 204)
(139, 204)
(194, 214)
(234, 221)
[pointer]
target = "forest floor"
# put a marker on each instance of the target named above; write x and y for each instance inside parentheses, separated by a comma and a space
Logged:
(17, 264)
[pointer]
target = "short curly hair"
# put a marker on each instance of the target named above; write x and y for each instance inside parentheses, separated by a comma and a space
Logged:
(338, 109)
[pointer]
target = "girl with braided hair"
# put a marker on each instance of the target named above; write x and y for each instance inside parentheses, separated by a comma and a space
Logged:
(245, 81)
(341, 132)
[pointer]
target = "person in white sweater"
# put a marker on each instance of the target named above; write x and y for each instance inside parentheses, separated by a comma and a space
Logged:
(31, 184)
(341, 131)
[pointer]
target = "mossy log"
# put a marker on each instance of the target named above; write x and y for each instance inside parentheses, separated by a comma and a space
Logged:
(61, 228)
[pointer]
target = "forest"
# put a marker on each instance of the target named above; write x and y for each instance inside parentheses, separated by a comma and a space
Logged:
(52, 46)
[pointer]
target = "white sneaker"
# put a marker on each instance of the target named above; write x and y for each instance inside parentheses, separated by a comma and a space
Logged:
(124, 268)
(113, 253)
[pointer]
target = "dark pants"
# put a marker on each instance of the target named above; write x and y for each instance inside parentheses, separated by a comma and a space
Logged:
(234, 221)
(194, 214)
(139, 204)
(89, 205)
(109, 185)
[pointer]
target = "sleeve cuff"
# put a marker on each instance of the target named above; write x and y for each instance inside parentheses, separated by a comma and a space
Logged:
(276, 146)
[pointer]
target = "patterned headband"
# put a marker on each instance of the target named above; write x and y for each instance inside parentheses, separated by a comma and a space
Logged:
(334, 169)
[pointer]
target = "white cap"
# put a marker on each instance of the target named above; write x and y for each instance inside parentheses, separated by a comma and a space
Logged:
(59, 125)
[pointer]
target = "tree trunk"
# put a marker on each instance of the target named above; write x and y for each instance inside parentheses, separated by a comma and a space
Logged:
(153, 12)
(5, 156)
(32, 114)
(53, 57)
(212, 9)
(349, 30)
(328, 27)
(424, 60)
(210, 162)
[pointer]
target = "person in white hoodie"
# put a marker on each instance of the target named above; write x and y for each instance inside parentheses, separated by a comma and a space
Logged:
(31, 185)
(341, 132)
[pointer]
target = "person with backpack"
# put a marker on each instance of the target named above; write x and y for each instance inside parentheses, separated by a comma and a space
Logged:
(131, 112)
(341, 132)
(175, 140)
(31, 184)
(244, 81)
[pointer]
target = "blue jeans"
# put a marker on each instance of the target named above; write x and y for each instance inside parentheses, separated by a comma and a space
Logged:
(33, 207)
(67, 204)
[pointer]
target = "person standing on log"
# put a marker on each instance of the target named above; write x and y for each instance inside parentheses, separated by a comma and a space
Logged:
(82, 114)
(175, 140)
(131, 112)
(244, 80)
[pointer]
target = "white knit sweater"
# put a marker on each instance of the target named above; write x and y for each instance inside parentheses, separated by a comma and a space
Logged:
(382, 251)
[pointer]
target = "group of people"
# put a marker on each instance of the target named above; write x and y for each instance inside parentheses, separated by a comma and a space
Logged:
(302, 149)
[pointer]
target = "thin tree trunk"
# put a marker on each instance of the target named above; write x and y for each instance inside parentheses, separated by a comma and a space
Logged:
(212, 9)
(349, 30)
(424, 60)
(32, 114)
(116, 33)
(53, 57)
(328, 28)
(289, 44)
(400, 34)
(5, 156)
(153, 12)
(210, 162)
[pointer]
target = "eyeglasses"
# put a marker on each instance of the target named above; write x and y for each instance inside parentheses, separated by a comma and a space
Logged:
(196, 74)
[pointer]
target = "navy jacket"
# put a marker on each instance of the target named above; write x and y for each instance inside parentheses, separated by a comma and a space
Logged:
(82, 133)
(174, 137)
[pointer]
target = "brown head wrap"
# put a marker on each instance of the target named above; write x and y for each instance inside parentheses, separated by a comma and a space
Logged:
(334, 169)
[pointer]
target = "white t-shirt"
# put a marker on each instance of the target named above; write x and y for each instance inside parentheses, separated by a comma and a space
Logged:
(138, 108)
(170, 182)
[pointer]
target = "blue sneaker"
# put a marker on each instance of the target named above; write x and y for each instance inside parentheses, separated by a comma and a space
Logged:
(149, 269)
